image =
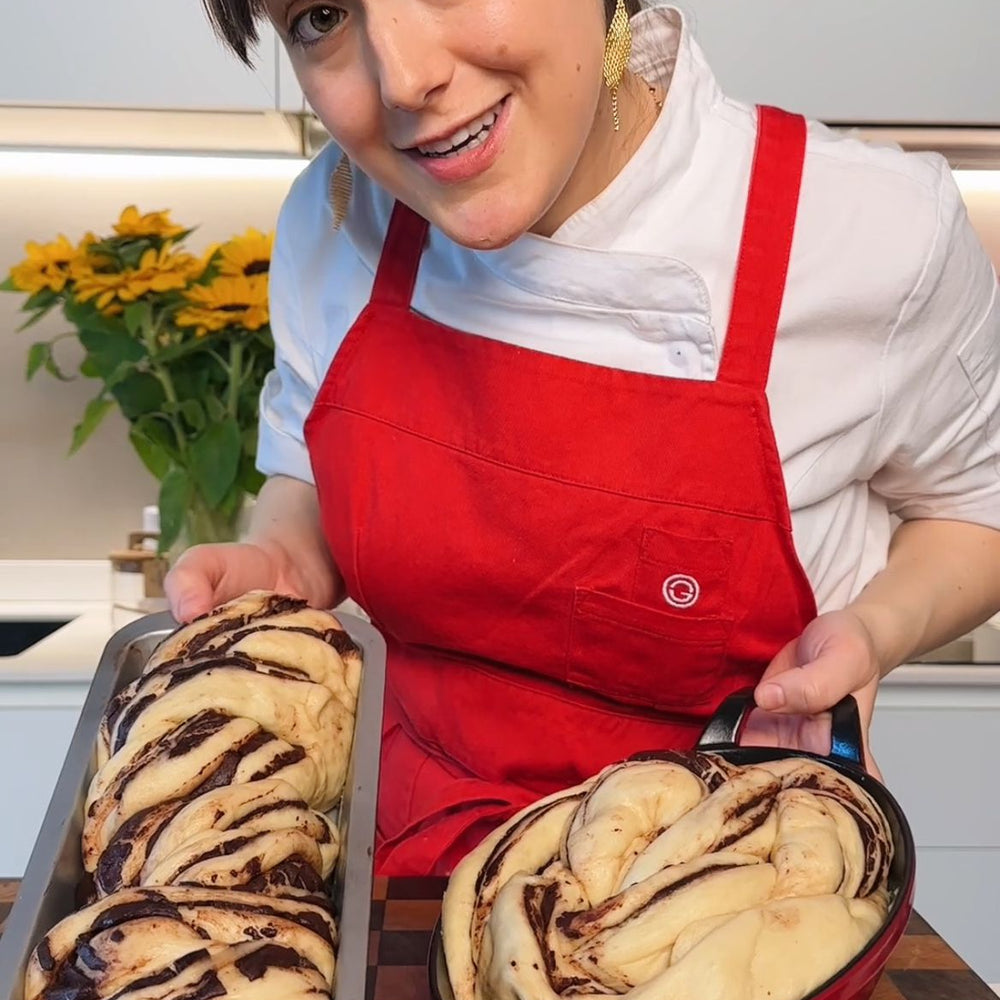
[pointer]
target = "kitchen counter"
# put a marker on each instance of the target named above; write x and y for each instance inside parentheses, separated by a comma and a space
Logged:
(81, 590)
(933, 736)
(922, 967)
(77, 591)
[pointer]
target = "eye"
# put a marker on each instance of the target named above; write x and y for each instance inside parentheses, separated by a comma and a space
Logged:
(315, 24)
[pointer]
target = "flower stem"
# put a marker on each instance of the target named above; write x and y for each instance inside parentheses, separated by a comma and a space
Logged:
(235, 377)
(163, 377)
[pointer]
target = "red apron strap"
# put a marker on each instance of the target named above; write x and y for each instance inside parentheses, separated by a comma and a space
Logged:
(766, 248)
(400, 260)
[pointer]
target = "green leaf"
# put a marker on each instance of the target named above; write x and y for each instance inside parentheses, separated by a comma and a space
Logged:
(153, 456)
(32, 320)
(176, 492)
(215, 459)
(194, 413)
(215, 408)
(96, 411)
(86, 316)
(160, 432)
(129, 250)
(249, 480)
(38, 355)
(88, 369)
(183, 350)
(55, 371)
(250, 436)
(125, 370)
(45, 299)
(7, 285)
(190, 378)
(137, 394)
(232, 502)
(109, 350)
(138, 317)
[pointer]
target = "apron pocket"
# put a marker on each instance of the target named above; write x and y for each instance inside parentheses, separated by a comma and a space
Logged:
(644, 656)
(687, 573)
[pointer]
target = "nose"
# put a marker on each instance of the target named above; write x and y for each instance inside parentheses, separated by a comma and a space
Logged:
(408, 53)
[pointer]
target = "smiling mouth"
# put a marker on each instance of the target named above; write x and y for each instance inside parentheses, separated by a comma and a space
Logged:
(474, 134)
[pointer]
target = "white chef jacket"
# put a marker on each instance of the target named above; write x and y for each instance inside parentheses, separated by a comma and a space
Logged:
(884, 387)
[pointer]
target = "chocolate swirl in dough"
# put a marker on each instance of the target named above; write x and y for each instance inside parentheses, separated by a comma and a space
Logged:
(190, 943)
(262, 687)
(673, 877)
(295, 709)
(183, 761)
(255, 615)
(258, 836)
(211, 768)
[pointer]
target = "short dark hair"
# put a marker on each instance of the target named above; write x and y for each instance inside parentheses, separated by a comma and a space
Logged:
(235, 21)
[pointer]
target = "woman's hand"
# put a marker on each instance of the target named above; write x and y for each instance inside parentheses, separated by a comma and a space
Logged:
(941, 579)
(206, 576)
(285, 552)
(835, 656)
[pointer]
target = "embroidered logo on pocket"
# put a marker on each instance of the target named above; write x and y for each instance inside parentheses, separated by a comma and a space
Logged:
(681, 591)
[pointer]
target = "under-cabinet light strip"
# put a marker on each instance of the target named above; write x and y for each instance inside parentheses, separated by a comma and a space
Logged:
(80, 164)
(50, 163)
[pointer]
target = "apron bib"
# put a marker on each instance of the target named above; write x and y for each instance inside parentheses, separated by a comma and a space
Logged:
(570, 563)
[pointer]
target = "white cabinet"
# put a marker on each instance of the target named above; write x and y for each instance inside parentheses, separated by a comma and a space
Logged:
(127, 53)
(937, 749)
(889, 61)
(36, 726)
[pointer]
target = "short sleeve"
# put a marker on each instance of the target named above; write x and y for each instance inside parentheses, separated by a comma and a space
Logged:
(940, 421)
(290, 389)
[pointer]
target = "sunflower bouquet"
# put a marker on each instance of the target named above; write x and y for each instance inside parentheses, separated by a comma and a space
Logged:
(180, 344)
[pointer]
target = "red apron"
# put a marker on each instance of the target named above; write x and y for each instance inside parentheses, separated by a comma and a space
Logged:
(570, 563)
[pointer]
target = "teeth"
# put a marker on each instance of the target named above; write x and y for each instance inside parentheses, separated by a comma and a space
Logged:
(476, 131)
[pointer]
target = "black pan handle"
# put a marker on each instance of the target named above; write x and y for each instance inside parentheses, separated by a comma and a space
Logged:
(723, 729)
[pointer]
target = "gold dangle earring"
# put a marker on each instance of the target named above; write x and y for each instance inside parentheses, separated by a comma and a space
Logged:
(617, 49)
(341, 183)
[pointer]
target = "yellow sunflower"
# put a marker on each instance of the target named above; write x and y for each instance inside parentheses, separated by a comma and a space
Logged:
(133, 224)
(47, 265)
(246, 255)
(160, 270)
(226, 302)
(88, 259)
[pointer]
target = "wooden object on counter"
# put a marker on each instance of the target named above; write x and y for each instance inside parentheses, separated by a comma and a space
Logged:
(137, 575)
(404, 911)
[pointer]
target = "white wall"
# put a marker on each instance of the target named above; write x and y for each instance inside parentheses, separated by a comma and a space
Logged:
(52, 506)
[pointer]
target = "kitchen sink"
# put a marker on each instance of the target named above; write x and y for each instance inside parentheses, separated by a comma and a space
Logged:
(17, 635)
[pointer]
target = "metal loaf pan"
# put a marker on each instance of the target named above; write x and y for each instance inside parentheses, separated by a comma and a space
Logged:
(55, 869)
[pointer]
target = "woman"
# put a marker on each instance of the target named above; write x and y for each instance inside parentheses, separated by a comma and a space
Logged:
(561, 466)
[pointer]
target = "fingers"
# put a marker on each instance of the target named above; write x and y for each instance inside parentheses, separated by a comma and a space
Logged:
(810, 689)
(191, 584)
(832, 658)
(208, 575)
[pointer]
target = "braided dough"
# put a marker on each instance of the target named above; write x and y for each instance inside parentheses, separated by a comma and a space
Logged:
(203, 828)
(673, 877)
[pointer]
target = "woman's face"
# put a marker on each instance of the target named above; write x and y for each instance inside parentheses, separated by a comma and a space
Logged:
(473, 112)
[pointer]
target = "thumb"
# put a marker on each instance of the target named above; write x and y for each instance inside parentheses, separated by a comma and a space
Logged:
(832, 658)
(805, 689)
(192, 583)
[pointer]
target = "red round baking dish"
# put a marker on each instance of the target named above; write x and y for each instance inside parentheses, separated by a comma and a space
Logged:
(858, 979)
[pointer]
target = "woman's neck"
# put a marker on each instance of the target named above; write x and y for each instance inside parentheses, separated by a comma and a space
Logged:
(606, 151)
